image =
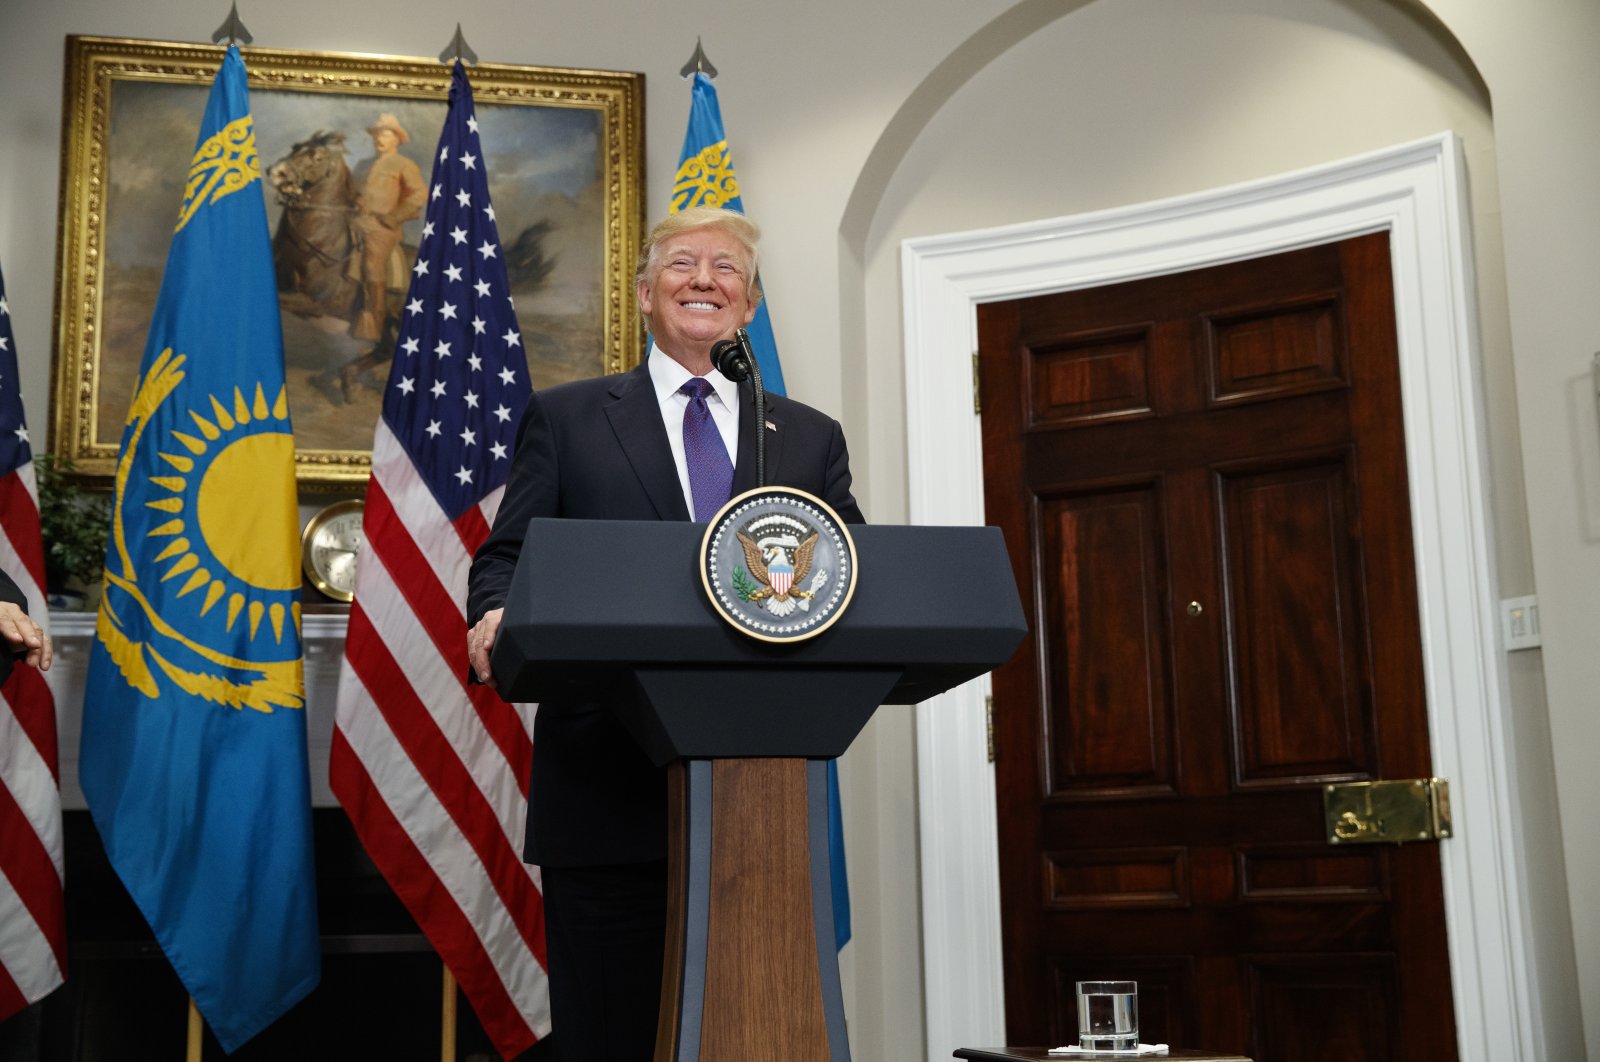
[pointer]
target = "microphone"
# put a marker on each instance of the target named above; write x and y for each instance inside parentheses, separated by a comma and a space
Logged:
(734, 359)
(731, 359)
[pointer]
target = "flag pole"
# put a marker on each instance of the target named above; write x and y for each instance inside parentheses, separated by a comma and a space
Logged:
(232, 30)
(195, 1030)
(698, 64)
(447, 1009)
(458, 49)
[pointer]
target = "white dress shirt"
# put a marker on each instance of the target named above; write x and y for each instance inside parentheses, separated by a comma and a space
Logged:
(667, 376)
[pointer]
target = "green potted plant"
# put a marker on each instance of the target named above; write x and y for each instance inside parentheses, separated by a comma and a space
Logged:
(75, 523)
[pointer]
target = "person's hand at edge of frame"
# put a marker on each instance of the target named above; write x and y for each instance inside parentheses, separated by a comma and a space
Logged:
(24, 638)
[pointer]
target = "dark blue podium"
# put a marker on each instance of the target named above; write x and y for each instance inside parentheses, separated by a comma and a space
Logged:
(745, 728)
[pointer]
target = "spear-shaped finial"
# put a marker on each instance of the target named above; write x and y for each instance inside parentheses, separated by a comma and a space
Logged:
(698, 63)
(232, 30)
(458, 49)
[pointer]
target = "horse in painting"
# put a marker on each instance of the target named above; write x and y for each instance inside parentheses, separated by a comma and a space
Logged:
(315, 239)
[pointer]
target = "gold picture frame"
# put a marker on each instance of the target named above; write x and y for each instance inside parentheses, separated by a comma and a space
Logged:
(564, 150)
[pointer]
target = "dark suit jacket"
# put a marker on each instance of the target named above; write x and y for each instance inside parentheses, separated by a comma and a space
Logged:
(597, 450)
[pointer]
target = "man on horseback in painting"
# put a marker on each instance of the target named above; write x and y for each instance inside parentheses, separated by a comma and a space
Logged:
(392, 194)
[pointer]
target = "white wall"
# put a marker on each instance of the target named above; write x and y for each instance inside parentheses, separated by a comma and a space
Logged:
(856, 125)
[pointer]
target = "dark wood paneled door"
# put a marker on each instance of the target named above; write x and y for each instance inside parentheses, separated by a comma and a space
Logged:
(1203, 477)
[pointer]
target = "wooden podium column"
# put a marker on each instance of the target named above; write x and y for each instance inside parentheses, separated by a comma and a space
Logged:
(751, 968)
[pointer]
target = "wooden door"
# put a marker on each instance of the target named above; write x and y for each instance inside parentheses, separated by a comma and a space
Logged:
(1202, 482)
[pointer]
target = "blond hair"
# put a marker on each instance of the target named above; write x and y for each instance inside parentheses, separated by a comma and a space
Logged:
(744, 231)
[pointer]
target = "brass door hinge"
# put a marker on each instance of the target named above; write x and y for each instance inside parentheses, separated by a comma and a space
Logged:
(1415, 809)
(977, 395)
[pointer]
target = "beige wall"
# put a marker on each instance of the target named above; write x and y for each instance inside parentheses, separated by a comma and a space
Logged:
(873, 123)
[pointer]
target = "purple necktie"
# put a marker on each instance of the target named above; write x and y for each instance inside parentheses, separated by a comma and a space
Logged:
(710, 471)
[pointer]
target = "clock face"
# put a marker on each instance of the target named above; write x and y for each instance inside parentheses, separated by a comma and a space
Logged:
(329, 548)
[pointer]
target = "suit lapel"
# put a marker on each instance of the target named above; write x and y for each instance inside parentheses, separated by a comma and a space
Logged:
(744, 470)
(635, 418)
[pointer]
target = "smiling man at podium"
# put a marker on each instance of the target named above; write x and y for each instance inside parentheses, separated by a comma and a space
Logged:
(673, 439)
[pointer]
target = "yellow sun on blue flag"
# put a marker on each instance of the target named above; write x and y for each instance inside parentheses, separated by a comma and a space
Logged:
(193, 755)
(705, 177)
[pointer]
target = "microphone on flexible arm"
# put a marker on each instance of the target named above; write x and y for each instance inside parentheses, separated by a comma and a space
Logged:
(734, 359)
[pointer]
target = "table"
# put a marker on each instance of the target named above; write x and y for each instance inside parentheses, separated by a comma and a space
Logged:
(1042, 1054)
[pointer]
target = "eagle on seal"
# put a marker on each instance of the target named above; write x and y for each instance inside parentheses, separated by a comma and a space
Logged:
(780, 580)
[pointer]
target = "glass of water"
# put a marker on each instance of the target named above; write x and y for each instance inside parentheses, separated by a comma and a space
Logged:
(1108, 1015)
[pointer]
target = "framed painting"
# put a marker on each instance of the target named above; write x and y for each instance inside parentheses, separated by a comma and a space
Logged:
(564, 151)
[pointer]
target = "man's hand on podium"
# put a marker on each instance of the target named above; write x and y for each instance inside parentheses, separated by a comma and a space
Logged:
(25, 638)
(480, 639)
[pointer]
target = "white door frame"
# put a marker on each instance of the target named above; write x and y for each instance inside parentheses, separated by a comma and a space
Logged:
(1416, 192)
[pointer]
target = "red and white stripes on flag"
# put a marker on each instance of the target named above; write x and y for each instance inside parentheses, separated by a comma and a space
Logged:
(433, 772)
(33, 935)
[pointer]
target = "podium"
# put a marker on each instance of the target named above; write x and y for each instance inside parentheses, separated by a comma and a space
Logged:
(745, 729)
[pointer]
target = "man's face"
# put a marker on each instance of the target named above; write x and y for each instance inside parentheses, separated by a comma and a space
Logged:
(700, 293)
(385, 140)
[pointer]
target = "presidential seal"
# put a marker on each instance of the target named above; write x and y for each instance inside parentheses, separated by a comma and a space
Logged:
(778, 564)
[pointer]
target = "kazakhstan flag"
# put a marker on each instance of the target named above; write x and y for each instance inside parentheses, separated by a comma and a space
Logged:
(193, 756)
(705, 178)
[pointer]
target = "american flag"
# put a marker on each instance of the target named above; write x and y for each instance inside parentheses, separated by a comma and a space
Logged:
(433, 772)
(33, 934)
